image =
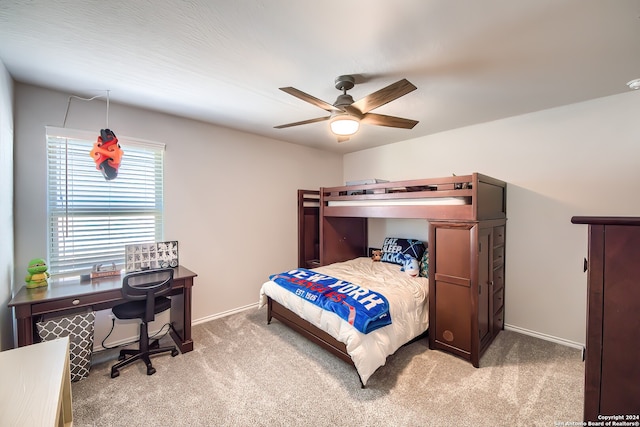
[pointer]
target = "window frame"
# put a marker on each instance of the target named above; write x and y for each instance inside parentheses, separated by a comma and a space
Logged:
(76, 221)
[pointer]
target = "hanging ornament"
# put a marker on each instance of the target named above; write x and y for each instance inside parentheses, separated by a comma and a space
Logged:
(107, 154)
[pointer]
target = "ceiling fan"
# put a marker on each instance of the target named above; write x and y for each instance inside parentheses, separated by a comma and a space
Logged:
(346, 115)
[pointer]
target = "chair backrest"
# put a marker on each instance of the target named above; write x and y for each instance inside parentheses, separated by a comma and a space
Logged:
(147, 285)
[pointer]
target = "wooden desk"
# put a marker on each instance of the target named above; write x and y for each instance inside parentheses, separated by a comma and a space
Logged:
(36, 385)
(98, 294)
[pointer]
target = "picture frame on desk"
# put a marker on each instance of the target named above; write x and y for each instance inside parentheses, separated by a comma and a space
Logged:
(145, 256)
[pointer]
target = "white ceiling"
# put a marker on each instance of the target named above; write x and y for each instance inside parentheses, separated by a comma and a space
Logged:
(223, 61)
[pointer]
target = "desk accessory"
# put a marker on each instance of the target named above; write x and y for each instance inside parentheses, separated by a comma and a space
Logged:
(101, 271)
(37, 274)
(149, 256)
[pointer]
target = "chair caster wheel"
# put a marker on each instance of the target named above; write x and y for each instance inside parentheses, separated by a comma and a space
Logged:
(115, 374)
(151, 371)
(174, 352)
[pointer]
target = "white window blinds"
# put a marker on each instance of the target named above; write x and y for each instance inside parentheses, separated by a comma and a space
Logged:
(92, 219)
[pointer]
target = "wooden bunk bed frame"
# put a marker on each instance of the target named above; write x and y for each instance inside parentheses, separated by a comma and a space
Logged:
(343, 236)
(308, 228)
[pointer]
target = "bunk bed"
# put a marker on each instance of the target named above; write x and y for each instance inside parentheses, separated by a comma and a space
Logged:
(466, 218)
(308, 228)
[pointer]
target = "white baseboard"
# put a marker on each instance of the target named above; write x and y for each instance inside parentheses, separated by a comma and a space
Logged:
(562, 341)
(129, 340)
(545, 337)
(223, 314)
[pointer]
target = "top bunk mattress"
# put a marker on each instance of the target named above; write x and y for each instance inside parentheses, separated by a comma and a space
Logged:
(445, 201)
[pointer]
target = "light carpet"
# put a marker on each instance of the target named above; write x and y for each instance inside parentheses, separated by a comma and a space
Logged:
(244, 372)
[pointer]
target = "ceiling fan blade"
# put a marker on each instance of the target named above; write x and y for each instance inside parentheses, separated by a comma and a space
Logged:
(389, 121)
(353, 111)
(308, 98)
(384, 95)
(304, 122)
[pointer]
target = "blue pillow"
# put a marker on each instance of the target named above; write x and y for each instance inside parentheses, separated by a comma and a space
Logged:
(394, 249)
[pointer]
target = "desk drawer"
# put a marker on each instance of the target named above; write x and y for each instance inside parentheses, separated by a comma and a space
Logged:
(76, 302)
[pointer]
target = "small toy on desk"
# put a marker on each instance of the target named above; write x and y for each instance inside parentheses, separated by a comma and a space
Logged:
(376, 255)
(100, 271)
(38, 275)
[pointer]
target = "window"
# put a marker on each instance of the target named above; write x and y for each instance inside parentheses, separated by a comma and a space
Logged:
(92, 219)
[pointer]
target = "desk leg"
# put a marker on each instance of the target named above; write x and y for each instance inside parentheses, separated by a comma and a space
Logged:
(24, 327)
(181, 318)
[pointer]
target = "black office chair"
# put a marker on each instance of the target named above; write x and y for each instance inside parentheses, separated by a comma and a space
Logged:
(144, 291)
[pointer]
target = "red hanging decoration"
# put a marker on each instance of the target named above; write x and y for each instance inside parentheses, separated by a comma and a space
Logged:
(107, 154)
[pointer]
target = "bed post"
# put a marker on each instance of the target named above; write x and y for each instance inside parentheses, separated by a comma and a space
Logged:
(269, 315)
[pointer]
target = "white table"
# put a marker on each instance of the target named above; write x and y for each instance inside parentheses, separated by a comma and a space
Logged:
(36, 385)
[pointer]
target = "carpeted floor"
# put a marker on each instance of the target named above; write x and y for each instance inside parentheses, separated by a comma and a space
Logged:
(244, 372)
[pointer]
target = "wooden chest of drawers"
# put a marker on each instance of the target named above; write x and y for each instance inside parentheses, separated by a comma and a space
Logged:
(466, 286)
(612, 358)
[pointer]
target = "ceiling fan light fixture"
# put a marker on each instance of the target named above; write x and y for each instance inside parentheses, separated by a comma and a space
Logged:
(344, 125)
(634, 84)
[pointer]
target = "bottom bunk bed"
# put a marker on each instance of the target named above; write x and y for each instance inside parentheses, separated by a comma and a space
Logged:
(408, 304)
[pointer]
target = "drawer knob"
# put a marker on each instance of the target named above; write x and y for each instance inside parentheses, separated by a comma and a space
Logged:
(75, 302)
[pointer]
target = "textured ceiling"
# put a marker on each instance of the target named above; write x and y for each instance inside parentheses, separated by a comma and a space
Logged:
(223, 61)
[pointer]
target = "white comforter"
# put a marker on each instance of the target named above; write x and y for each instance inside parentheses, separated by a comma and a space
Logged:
(408, 306)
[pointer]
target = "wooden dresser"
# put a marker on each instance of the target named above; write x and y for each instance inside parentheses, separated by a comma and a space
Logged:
(466, 286)
(612, 368)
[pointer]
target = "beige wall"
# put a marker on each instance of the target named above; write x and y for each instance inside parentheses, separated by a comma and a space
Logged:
(230, 197)
(581, 159)
(6, 207)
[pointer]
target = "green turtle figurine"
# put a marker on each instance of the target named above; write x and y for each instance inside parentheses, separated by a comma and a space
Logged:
(38, 275)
